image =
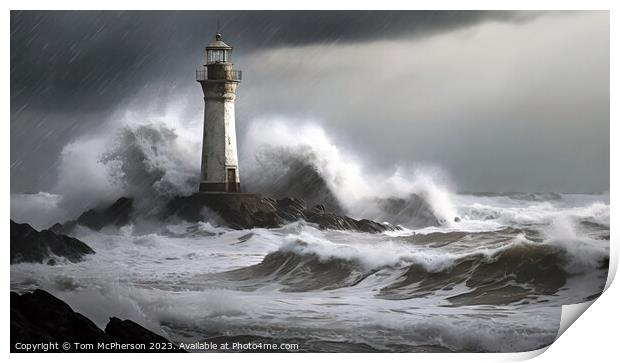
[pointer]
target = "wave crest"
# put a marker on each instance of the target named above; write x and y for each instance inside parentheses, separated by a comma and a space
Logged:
(500, 267)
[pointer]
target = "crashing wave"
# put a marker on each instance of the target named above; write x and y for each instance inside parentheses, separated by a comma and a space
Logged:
(515, 266)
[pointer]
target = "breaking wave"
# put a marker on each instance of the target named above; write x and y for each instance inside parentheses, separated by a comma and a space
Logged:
(284, 157)
(146, 162)
(485, 268)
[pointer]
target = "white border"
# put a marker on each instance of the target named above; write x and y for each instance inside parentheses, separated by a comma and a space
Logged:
(594, 335)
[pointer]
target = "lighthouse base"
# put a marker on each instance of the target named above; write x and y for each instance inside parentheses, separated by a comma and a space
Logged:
(220, 187)
(232, 207)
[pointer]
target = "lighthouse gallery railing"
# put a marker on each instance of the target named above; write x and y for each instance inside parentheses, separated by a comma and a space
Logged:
(202, 75)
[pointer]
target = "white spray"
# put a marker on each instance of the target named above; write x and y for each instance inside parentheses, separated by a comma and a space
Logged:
(354, 187)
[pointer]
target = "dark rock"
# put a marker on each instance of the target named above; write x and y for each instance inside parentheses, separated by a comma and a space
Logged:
(118, 214)
(243, 211)
(235, 210)
(319, 208)
(128, 332)
(245, 237)
(29, 245)
(23, 331)
(39, 317)
(290, 208)
(332, 221)
(267, 220)
(228, 206)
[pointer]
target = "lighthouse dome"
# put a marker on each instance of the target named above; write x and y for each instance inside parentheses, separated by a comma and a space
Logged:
(218, 51)
(218, 43)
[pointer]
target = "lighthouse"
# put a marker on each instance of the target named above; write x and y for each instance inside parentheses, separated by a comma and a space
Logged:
(219, 170)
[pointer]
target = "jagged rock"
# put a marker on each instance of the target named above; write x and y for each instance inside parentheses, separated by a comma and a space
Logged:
(227, 206)
(236, 210)
(117, 214)
(23, 331)
(267, 220)
(29, 245)
(126, 331)
(319, 208)
(332, 221)
(241, 211)
(39, 317)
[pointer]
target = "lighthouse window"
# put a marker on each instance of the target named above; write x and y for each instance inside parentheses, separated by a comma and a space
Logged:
(216, 56)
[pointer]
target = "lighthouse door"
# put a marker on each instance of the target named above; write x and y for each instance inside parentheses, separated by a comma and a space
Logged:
(232, 180)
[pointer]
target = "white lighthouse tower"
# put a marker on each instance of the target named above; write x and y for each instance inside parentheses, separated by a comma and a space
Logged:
(220, 169)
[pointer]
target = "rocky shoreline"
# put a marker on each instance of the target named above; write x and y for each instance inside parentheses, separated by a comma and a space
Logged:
(30, 245)
(260, 212)
(41, 321)
(241, 211)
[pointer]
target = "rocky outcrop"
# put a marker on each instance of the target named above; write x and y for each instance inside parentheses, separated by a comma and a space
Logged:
(128, 332)
(39, 317)
(226, 208)
(118, 214)
(30, 245)
(235, 210)
(272, 213)
(250, 211)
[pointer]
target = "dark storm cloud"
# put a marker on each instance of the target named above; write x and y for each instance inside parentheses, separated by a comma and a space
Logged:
(71, 71)
(91, 60)
(500, 106)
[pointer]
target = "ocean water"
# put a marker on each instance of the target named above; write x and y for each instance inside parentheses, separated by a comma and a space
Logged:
(493, 280)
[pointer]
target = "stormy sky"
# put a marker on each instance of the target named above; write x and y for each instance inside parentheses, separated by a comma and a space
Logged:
(502, 101)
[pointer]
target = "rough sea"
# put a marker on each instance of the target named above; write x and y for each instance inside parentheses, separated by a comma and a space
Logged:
(493, 280)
